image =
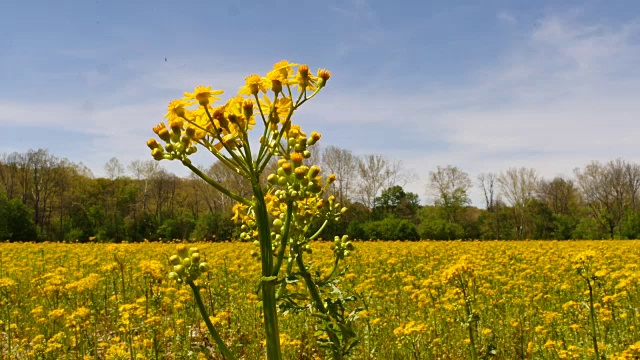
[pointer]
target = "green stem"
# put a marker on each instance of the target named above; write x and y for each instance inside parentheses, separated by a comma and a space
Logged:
(314, 236)
(592, 313)
(216, 185)
(311, 286)
(333, 271)
(212, 330)
(317, 300)
(285, 238)
(268, 287)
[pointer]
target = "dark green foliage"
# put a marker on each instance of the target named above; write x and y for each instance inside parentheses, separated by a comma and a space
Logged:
(391, 229)
(16, 221)
(213, 227)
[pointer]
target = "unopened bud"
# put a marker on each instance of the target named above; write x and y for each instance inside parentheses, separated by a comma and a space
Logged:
(301, 172)
(174, 260)
(315, 136)
(157, 154)
(296, 157)
(204, 267)
(247, 108)
(164, 134)
(152, 144)
(179, 269)
(181, 250)
(314, 171)
(272, 179)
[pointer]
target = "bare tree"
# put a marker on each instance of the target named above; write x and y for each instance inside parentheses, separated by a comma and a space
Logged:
(609, 190)
(518, 187)
(559, 194)
(143, 171)
(113, 168)
(344, 165)
(487, 182)
(448, 187)
(377, 173)
(371, 169)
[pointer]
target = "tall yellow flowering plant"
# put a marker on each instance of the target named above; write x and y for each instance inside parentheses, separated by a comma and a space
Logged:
(278, 218)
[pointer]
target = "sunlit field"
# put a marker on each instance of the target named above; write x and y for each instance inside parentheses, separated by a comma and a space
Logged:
(524, 300)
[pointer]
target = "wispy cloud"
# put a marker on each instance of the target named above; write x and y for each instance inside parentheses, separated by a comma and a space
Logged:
(565, 93)
(506, 17)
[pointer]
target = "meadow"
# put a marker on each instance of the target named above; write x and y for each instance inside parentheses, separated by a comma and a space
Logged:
(414, 300)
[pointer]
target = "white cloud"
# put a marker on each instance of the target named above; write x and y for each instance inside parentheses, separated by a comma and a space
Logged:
(563, 96)
(506, 17)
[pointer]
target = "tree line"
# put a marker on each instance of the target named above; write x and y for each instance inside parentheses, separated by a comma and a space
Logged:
(43, 197)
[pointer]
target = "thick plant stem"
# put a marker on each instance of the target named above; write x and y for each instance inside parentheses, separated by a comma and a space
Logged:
(317, 299)
(268, 287)
(212, 330)
(285, 238)
(592, 314)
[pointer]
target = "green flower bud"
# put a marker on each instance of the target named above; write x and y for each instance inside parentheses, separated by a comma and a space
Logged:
(272, 179)
(313, 171)
(277, 223)
(174, 260)
(314, 188)
(193, 250)
(181, 250)
(301, 172)
(158, 154)
(204, 267)
(186, 262)
(195, 258)
(306, 154)
(173, 276)
(179, 269)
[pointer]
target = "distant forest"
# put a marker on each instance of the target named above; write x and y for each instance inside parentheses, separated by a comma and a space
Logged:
(46, 198)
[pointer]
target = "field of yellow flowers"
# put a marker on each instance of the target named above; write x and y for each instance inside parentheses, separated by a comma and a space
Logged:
(418, 300)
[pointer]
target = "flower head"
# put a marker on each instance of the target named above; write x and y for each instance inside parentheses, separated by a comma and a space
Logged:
(203, 95)
(253, 84)
(304, 80)
(176, 110)
(323, 76)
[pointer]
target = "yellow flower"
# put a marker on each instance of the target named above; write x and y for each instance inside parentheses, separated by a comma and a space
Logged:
(239, 212)
(176, 110)
(323, 76)
(281, 111)
(279, 76)
(203, 95)
(253, 84)
(304, 80)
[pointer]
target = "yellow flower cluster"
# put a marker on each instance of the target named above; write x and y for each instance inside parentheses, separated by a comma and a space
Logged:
(193, 120)
(528, 299)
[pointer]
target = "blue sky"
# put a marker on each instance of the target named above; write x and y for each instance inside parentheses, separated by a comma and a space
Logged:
(482, 85)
